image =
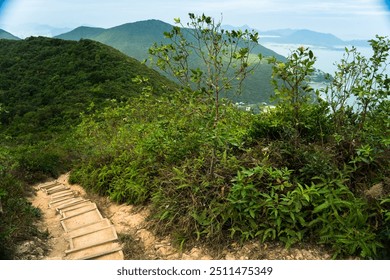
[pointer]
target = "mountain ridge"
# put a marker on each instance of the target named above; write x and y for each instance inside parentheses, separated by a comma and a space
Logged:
(8, 36)
(151, 31)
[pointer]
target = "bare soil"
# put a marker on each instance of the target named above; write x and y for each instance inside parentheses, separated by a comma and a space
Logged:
(139, 242)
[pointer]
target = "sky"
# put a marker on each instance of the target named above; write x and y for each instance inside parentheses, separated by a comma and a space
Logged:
(347, 19)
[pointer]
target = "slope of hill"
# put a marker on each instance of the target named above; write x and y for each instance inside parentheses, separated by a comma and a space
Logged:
(48, 82)
(135, 39)
(6, 35)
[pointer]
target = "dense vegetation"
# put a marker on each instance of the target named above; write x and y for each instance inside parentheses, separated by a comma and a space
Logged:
(45, 87)
(309, 170)
(312, 170)
(46, 83)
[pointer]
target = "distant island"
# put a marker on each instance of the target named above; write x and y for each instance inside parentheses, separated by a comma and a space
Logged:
(304, 37)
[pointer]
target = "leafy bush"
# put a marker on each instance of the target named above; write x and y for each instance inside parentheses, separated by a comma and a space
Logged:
(18, 219)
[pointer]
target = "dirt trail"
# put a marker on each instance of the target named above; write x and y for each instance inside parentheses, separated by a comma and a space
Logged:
(140, 243)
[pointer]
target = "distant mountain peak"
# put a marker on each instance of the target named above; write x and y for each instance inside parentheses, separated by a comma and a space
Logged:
(6, 35)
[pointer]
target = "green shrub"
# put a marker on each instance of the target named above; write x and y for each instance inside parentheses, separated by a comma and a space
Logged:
(17, 222)
(264, 203)
(342, 220)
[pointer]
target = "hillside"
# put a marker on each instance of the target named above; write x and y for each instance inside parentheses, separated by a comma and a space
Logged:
(6, 35)
(134, 39)
(46, 86)
(49, 82)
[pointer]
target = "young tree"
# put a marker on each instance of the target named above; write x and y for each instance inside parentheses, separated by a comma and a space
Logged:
(362, 80)
(291, 81)
(207, 59)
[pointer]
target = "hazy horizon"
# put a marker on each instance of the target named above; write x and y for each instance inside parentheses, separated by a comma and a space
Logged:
(347, 19)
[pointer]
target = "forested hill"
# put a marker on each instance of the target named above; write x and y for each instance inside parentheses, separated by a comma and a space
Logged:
(46, 83)
(135, 39)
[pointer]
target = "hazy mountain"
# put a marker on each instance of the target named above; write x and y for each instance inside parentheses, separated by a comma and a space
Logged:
(6, 35)
(135, 39)
(46, 30)
(302, 36)
(306, 37)
(82, 32)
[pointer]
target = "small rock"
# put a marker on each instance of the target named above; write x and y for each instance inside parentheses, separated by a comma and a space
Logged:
(230, 256)
(147, 238)
(186, 257)
(175, 256)
(299, 256)
(375, 192)
(195, 253)
(39, 252)
(25, 247)
(165, 251)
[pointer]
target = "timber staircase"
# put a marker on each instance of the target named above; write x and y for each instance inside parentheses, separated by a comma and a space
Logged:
(90, 235)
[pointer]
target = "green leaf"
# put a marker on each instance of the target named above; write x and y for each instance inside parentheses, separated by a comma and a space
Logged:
(321, 207)
(311, 55)
(252, 213)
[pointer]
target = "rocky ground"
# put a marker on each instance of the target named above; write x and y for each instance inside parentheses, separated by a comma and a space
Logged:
(139, 242)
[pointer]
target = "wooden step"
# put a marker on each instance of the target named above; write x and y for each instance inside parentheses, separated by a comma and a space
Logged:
(89, 228)
(47, 185)
(64, 203)
(71, 212)
(86, 240)
(79, 205)
(81, 220)
(117, 255)
(56, 190)
(98, 252)
(61, 200)
(54, 187)
(61, 194)
(77, 200)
